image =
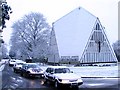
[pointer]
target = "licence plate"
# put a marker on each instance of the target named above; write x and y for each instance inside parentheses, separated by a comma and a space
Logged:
(74, 84)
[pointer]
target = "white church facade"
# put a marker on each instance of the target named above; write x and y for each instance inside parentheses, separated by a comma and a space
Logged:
(79, 35)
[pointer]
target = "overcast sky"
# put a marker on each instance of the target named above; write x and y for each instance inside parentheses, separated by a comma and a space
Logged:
(105, 10)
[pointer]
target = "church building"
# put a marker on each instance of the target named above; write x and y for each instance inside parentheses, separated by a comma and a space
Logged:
(80, 36)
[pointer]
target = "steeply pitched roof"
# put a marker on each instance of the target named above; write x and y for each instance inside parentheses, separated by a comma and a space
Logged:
(73, 31)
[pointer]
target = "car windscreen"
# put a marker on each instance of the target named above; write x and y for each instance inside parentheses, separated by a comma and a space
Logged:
(12, 61)
(62, 70)
(33, 66)
(20, 63)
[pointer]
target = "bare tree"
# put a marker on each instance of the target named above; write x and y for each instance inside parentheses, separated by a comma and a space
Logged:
(30, 36)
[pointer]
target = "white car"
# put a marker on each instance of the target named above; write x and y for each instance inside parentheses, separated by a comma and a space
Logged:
(13, 62)
(17, 66)
(62, 76)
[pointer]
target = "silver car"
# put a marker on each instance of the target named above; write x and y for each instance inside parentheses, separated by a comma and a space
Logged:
(31, 70)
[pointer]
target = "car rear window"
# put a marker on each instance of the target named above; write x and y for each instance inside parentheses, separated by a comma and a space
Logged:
(33, 66)
(12, 61)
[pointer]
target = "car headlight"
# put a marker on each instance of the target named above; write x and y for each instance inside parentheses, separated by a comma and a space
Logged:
(60, 80)
(31, 71)
(63, 80)
(41, 71)
(80, 80)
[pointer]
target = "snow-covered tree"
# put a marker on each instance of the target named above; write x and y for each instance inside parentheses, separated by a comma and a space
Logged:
(1, 1)
(30, 36)
(0, 12)
(116, 47)
(5, 12)
(4, 51)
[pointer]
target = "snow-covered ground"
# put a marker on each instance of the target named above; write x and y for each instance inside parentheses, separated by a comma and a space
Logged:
(110, 71)
(94, 71)
(2, 65)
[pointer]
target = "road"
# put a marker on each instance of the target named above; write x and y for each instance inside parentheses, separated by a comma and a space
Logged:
(15, 81)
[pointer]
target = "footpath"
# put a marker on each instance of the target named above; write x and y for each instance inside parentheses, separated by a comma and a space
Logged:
(2, 64)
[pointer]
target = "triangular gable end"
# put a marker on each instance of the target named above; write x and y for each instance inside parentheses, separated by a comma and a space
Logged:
(53, 56)
(72, 32)
(98, 48)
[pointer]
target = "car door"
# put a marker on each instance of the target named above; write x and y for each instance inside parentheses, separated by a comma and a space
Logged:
(24, 68)
(49, 74)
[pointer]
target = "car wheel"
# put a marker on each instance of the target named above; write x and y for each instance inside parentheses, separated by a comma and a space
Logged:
(14, 70)
(24, 75)
(45, 80)
(57, 84)
(27, 74)
(21, 74)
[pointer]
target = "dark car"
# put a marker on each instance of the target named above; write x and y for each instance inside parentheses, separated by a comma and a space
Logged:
(28, 60)
(31, 70)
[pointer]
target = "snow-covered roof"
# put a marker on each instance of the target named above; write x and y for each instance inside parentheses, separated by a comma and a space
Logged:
(73, 31)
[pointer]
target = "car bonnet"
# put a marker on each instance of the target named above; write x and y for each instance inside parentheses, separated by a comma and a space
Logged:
(67, 76)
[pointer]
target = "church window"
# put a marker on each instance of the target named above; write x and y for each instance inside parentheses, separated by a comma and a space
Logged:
(97, 26)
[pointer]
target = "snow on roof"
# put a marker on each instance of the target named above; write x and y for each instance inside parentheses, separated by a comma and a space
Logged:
(73, 31)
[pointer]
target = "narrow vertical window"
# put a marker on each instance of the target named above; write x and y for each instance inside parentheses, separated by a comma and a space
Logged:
(97, 26)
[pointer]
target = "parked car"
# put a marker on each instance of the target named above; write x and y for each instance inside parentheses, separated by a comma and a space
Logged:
(17, 66)
(12, 62)
(31, 70)
(28, 60)
(62, 76)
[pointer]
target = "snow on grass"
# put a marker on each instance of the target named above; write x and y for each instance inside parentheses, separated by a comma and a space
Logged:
(94, 71)
(89, 71)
